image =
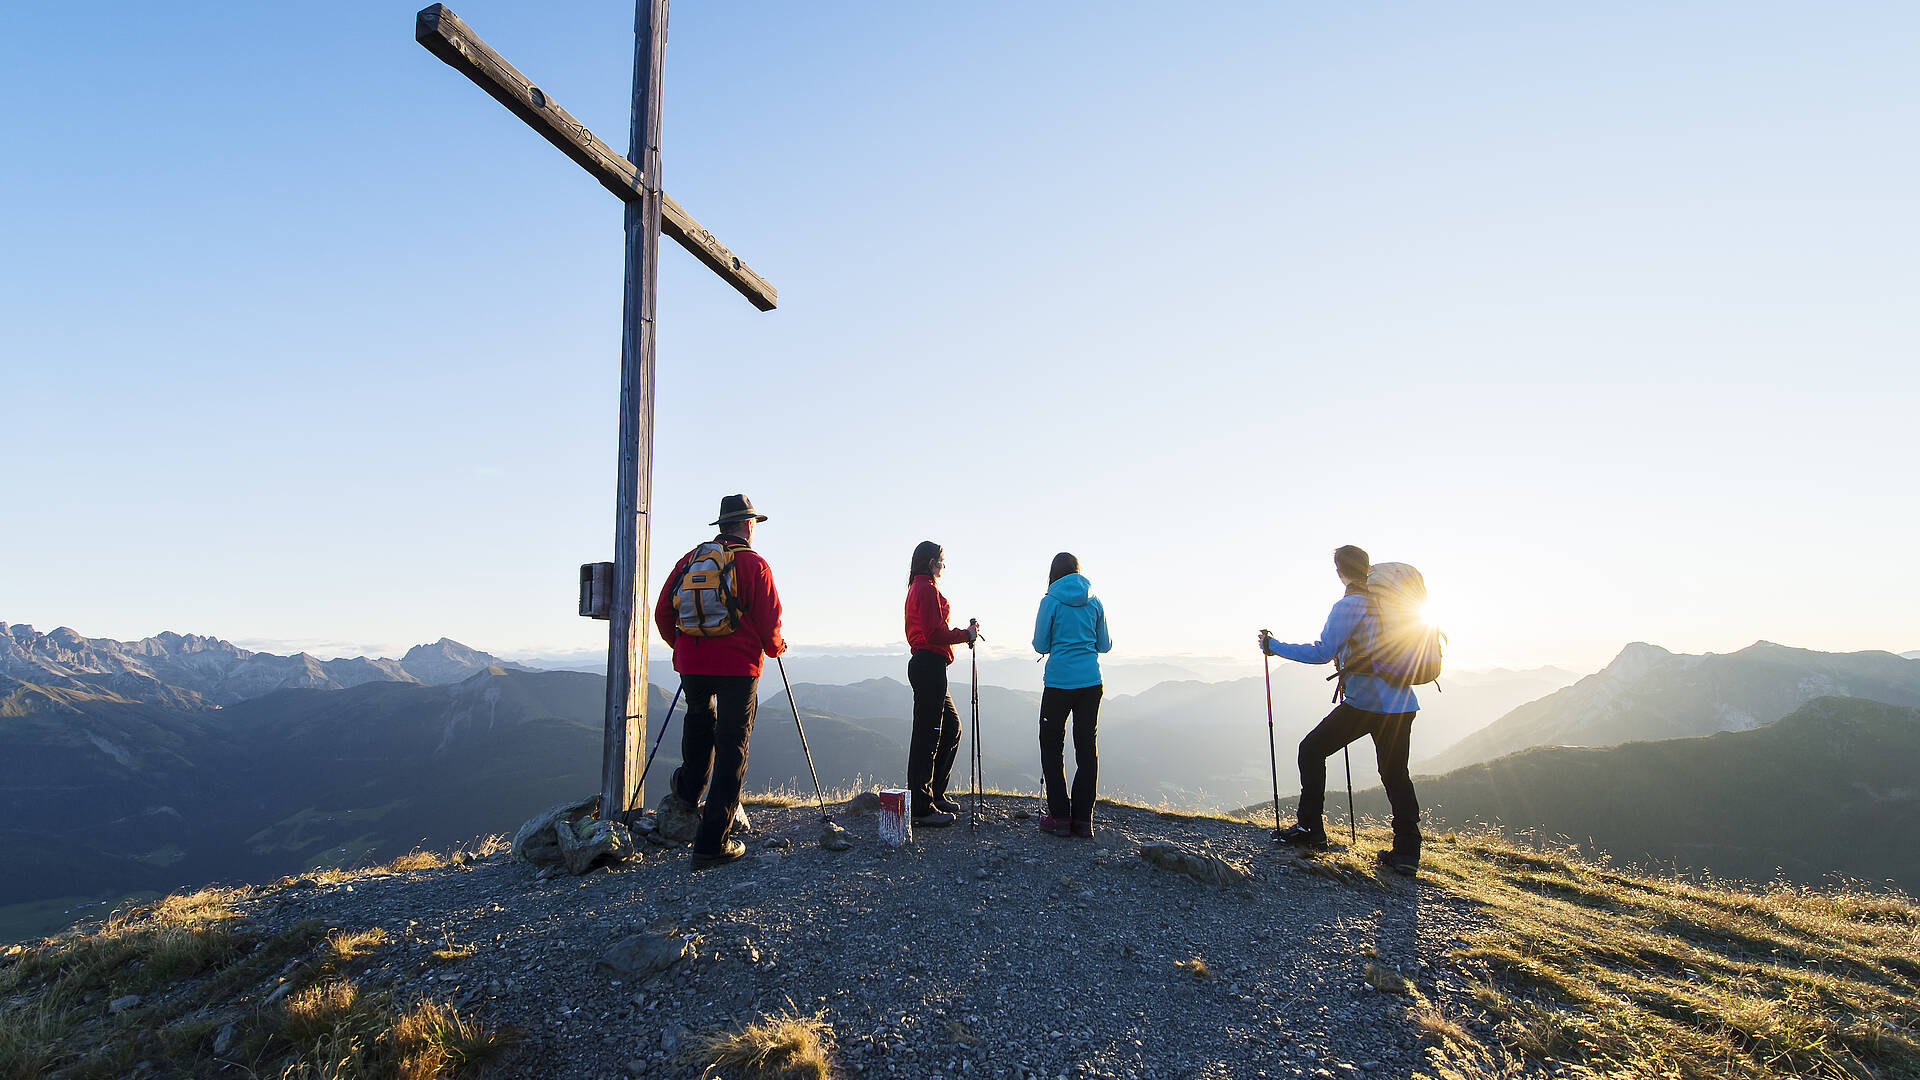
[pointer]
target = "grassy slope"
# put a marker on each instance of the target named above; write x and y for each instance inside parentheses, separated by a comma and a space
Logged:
(183, 970)
(1623, 973)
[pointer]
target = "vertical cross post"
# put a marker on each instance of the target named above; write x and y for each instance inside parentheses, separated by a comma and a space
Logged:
(626, 718)
(636, 180)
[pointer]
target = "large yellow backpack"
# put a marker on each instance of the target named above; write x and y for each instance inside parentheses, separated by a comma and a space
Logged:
(707, 595)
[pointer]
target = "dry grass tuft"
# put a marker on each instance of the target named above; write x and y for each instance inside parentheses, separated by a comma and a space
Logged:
(1434, 1024)
(436, 1040)
(785, 1046)
(412, 860)
(317, 1011)
(340, 1033)
(486, 847)
(344, 948)
(1387, 980)
(1196, 967)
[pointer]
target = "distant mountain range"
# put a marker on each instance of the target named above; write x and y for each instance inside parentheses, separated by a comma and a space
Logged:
(190, 671)
(1832, 788)
(840, 667)
(1186, 743)
(178, 759)
(1650, 693)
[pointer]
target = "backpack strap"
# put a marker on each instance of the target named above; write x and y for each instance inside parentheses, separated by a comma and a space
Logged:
(729, 595)
(1362, 664)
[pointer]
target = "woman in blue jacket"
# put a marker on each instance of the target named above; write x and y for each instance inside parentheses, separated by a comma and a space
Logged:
(1071, 631)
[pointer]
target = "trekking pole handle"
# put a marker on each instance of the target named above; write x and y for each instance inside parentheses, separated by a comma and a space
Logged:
(973, 626)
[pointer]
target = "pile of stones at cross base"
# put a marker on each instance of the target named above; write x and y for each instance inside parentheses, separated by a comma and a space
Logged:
(571, 838)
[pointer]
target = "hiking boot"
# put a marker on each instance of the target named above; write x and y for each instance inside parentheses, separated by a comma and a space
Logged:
(1083, 829)
(933, 819)
(1055, 826)
(945, 805)
(1302, 835)
(676, 820)
(1399, 862)
(729, 851)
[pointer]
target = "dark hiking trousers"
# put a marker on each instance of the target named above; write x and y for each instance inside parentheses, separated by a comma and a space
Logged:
(1055, 704)
(936, 730)
(713, 745)
(1391, 742)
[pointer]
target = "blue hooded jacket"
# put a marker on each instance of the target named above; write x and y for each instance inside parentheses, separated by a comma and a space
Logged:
(1071, 630)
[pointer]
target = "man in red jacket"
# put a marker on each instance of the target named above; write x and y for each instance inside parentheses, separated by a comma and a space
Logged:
(719, 622)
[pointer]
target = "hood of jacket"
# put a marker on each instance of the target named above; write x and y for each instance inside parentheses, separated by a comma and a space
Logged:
(1071, 590)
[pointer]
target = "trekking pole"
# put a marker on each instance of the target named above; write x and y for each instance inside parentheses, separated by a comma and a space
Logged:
(973, 818)
(803, 739)
(1353, 831)
(1273, 756)
(656, 739)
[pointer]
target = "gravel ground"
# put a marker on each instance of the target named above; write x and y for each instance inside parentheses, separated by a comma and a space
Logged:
(998, 953)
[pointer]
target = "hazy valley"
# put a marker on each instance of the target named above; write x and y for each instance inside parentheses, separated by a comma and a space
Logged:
(145, 766)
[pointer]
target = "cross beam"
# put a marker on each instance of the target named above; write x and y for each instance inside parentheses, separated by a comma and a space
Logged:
(448, 37)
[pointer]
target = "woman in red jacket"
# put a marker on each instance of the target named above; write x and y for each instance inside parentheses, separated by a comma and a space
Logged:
(936, 726)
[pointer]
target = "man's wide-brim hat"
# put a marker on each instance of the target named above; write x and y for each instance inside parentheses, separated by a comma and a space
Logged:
(737, 508)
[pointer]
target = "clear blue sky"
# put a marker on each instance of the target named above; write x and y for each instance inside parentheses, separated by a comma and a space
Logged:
(1604, 317)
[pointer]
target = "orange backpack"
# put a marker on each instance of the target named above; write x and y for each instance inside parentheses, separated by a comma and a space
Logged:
(707, 595)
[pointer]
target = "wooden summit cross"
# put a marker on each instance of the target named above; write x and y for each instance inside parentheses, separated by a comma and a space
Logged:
(636, 179)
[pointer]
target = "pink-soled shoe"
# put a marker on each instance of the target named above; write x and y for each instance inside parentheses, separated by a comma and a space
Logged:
(1055, 826)
(1083, 829)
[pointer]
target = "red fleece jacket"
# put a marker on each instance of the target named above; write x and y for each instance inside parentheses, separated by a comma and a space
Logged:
(740, 652)
(927, 615)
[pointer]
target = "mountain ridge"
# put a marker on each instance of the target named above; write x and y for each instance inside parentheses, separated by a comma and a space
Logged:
(1648, 692)
(196, 671)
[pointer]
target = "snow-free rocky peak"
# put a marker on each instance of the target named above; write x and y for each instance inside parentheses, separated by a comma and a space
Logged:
(448, 661)
(1635, 661)
(193, 671)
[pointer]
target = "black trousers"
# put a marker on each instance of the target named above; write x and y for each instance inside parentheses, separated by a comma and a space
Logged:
(713, 745)
(1055, 705)
(1392, 734)
(936, 730)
